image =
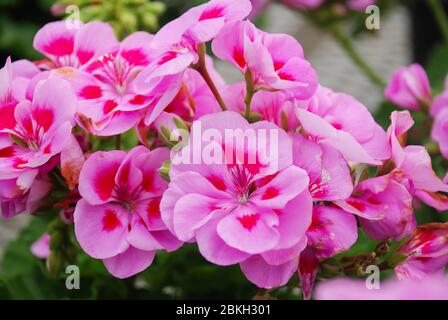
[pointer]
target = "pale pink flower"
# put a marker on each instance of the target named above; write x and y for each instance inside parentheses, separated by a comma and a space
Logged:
(339, 121)
(433, 288)
(426, 251)
(275, 61)
(409, 88)
(118, 218)
(41, 247)
(249, 212)
(64, 45)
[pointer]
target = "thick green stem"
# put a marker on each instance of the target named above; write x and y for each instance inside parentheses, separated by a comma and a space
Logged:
(441, 16)
(250, 91)
(346, 44)
(118, 142)
(201, 67)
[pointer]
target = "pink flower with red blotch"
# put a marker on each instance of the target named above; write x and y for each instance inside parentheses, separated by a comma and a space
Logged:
(67, 46)
(38, 128)
(244, 209)
(341, 122)
(332, 231)
(384, 206)
(409, 88)
(426, 252)
(109, 103)
(31, 134)
(275, 61)
(178, 43)
(413, 166)
(431, 288)
(118, 218)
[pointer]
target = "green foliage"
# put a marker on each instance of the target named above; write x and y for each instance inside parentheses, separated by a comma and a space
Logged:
(126, 16)
(437, 67)
(19, 21)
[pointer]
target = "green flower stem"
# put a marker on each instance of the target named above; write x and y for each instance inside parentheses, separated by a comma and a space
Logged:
(250, 91)
(441, 16)
(201, 67)
(118, 142)
(346, 44)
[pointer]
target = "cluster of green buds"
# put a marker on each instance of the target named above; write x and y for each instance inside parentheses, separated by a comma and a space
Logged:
(126, 16)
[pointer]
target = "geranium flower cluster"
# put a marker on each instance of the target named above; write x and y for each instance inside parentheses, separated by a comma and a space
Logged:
(271, 173)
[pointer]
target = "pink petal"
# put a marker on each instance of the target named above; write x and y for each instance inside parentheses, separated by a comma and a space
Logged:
(214, 249)
(190, 213)
(54, 103)
(249, 229)
(328, 135)
(55, 39)
(284, 187)
(101, 230)
(308, 267)
(129, 263)
(97, 178)
(294, 220)
(41, 247)
(417, 167)
(332, 231)
(267, 276)
(94, 39)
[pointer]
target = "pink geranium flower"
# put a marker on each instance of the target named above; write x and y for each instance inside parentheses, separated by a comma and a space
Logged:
(341, 122)
(178, 43)
(64, 45)
(109, 103)
(409, 88)
(275, 61)
(118, 218)
(384, 206)
(426, 251)
(249, 212)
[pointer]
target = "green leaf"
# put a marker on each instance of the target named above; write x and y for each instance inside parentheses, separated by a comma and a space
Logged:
(437, 67)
